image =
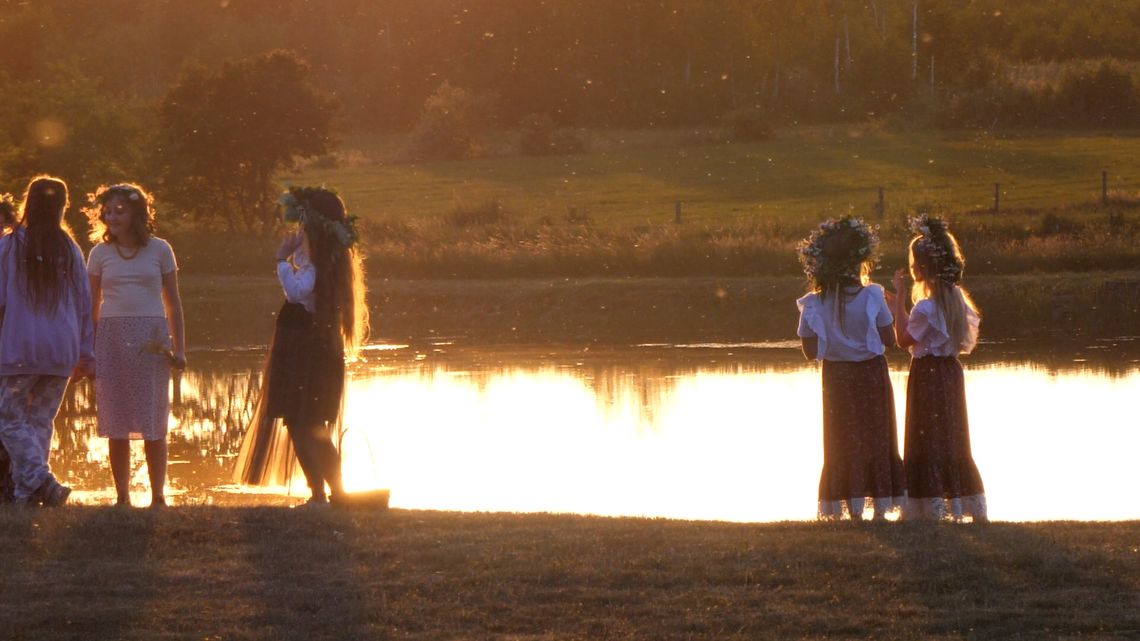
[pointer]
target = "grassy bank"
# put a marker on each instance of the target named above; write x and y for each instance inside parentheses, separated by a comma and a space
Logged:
(238, 311)
(270, 573)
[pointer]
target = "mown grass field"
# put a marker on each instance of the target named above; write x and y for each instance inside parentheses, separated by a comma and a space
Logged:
(274, 573)
(796, 178)
(611, 211)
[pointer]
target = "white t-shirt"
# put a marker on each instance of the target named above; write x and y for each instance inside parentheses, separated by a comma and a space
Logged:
(928, 329)
(857, 338)
(132, 286)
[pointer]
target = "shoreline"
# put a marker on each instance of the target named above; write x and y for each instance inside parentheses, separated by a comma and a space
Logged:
(238, 311)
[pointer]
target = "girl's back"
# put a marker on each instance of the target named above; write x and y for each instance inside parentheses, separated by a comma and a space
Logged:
(847, 331)
(934, 335)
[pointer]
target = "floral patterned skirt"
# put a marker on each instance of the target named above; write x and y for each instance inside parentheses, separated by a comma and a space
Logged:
(132, 381)
(940, 469)
(860, 439)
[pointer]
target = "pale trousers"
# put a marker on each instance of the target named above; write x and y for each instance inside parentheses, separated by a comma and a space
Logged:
(28, 405)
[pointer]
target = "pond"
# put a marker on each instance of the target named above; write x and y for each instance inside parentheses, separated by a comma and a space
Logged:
(721, 432)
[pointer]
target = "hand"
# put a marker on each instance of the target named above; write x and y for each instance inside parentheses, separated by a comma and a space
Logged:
(289, 244)
(899, 281)
(890, 296)
(85, 368)
(177, 361)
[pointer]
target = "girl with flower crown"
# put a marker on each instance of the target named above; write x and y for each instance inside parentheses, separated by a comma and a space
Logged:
(845, 322)
(139, 332)
(323, 321)
(942, 479)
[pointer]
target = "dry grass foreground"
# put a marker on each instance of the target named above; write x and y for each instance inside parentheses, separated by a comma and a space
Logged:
(272, 573)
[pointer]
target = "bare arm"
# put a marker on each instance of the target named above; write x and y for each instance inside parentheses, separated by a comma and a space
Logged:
(96, 298)
(172, 301)
(902, 316)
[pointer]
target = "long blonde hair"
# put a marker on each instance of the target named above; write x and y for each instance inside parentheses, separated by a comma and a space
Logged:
(937, 265)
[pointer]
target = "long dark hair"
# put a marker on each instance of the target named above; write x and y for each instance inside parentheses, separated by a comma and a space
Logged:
(339, 288)
(46, 252)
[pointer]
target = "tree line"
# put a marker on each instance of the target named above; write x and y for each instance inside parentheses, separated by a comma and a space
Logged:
(96, 84)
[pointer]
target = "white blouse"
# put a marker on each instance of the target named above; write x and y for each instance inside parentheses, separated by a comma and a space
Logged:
(298, 279)
(927, 327)
(857, 337)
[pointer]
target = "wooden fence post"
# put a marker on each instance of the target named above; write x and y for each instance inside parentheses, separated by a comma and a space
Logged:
(997, 197)
(882, 203)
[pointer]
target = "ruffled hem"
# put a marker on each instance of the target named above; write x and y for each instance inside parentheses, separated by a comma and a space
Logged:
(842, 509)
(946, 509)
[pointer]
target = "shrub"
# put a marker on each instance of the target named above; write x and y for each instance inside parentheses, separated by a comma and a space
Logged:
(450, 125)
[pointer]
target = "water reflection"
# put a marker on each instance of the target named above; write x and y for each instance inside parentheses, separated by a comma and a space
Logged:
(701, 432)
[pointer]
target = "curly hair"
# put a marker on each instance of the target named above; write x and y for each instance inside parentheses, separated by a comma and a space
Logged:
(139, 202)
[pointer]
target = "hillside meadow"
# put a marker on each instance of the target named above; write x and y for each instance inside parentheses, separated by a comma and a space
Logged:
(613, 211)
(743, 207)
(636, 177)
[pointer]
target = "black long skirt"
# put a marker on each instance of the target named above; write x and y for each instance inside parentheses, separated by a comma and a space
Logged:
(939, 463)
(303, 386)
(860, 439)
(305, 373)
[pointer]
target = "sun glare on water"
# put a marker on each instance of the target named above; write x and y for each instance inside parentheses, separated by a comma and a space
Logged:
(711, 444)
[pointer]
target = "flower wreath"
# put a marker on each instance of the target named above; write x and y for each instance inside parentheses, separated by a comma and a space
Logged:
(821, 268)
(132, 192)
(296, 210)
(935, 240)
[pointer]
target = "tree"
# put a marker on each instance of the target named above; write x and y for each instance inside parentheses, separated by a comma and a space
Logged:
(227, 132)
(70, 126)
